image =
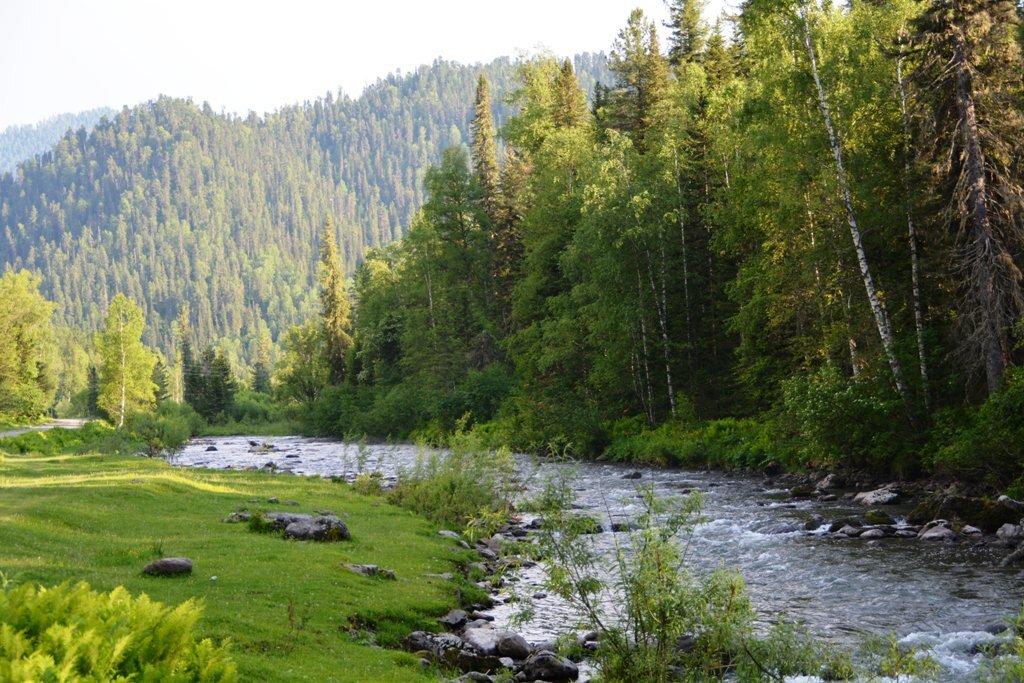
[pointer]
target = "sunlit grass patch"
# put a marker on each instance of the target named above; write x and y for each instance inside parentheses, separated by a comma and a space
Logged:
(291, 610)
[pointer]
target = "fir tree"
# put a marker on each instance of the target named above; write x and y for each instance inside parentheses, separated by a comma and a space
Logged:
(484, 150)
(335, 310)
(688, 31)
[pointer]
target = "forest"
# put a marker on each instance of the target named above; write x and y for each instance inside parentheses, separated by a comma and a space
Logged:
(791, 236)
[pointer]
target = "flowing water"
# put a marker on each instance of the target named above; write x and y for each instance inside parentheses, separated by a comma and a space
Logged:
(936, 596)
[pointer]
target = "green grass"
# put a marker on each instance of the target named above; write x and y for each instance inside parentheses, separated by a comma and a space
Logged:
(290, 610)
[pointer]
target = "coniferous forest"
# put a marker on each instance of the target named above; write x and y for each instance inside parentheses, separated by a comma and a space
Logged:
(793, 234)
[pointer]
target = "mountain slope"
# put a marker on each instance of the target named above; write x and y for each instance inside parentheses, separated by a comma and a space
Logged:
(171, 202)
(18, 143)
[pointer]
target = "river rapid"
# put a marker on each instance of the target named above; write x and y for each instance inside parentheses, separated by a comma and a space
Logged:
(937, 596)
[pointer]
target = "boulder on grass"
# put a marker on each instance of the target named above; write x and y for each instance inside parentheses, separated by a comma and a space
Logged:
(169, 566)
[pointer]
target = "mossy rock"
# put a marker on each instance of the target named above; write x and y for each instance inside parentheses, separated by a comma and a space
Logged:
(878, 517)
(984, 513)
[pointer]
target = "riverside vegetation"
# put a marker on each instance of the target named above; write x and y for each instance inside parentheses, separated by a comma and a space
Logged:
(793, 240)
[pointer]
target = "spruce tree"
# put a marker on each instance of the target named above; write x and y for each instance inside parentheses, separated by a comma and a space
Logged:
(641, 78)
(570, 102)
(484, 150)
(335, 310)
(970, 84)
(688, 33)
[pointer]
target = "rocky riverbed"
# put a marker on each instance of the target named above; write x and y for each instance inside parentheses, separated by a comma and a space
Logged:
(846, 567)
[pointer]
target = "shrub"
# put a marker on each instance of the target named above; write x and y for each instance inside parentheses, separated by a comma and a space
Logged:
(988, 442)
(464, 484)
(71, 632)
(162, 433)
(728, 442)
(93, 436)
(656, 619)
(838, 420)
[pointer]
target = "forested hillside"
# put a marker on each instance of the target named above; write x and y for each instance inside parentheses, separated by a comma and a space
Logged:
(171, 202)
(18, 143)
(798, 237)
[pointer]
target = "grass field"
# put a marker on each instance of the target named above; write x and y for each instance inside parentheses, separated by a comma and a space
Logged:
(291, 611)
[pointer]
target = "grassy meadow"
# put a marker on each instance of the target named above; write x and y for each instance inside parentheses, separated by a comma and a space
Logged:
(289, 608)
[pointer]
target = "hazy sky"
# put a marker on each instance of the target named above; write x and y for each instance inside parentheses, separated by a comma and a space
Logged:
(71, 55)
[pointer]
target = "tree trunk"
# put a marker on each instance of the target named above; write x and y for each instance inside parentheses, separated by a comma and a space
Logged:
(982, 248)
(880, 314)
(915, 277)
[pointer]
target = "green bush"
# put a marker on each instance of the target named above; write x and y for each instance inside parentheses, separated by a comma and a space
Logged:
(71, 632)
(728, 442)
(162, 433)
(844, 421)
(986, 443)
(94, 436)
(466, 486)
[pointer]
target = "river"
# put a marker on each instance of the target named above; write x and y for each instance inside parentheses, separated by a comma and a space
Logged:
(933, 595)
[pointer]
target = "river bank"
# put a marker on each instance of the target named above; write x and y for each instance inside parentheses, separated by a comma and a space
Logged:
(291, 610)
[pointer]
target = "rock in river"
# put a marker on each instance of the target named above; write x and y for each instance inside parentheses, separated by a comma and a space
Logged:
(547, 666)
(877, 497)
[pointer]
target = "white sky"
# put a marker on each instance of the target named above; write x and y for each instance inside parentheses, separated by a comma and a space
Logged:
(71, 55)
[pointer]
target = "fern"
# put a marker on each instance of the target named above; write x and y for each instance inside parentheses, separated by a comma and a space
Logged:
(72, 633)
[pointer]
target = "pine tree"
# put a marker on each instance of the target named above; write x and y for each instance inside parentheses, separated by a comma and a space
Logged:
(335, 310)
(126, 365)
(161, 381)
(484, 150)
(570, 102)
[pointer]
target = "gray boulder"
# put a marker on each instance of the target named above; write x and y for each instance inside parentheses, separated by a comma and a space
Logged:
(513, 645)
(882, 496)
(1008, 532)
(450, 650)
(483, 638)
(323, 528)
(169, 566)
(454, 619)
(938, 532)
(872, 534)
(371, 570)
(547, 666)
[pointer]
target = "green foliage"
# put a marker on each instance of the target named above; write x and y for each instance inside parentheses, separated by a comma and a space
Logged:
(70, 632)
(126, 365)
(27, 346)
(93, 436)
(460, 485)
(727, 442)
(986, 443)
(302, 372)
(164, 432)
(842, 421)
